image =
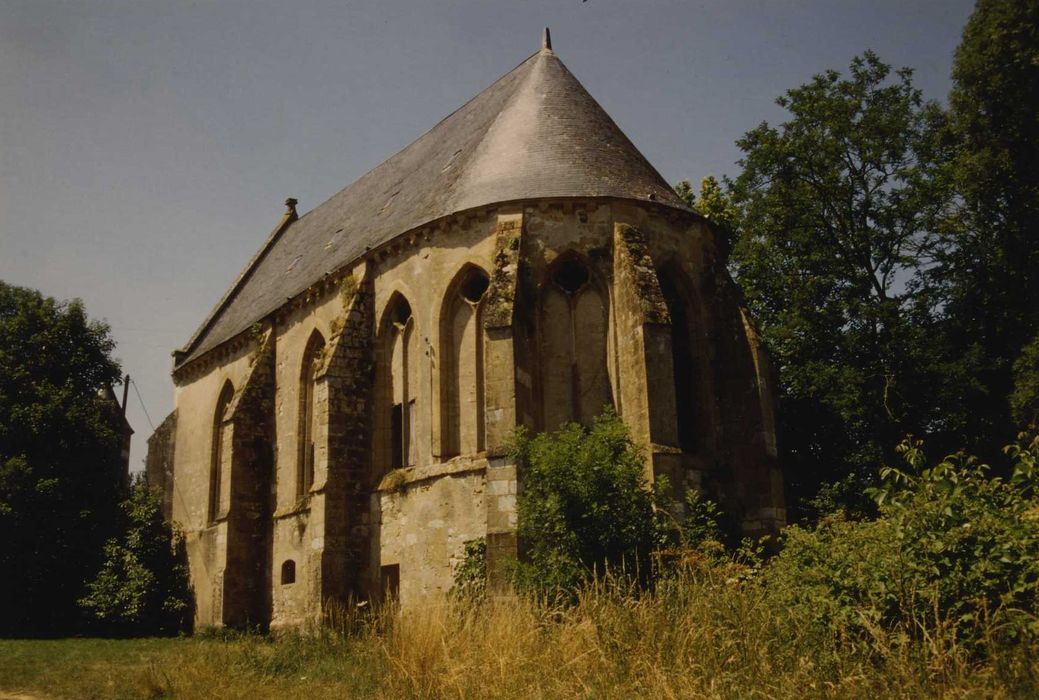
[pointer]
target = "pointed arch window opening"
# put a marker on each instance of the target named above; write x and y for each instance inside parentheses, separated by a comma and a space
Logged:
(216, 470)
(583, 345)
(690, 413)
(462, 365)
(402, 404)
(313, 357)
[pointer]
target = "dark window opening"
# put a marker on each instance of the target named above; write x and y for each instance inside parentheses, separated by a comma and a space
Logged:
(390, 575)
(288, 572)
(474, 286)
(684, 364)
(401, 312)
(312, 359)
(397, 436)
(570, 276)
(217, 457)
(410, 446)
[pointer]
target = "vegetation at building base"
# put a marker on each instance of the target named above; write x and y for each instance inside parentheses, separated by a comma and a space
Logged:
(935, 597)
(470, 576)
(584, 508)
(142, 586)
(847, 610)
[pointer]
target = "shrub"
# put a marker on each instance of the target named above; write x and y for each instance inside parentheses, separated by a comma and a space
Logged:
(584, 507)
(954, 554)
(470, 577)
(142, 587)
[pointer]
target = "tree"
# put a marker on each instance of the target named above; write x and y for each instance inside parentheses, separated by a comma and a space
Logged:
(1024, 399)
(834, 207)
(714, 203)
(142, 587)
(987, 279)
(584, 507)
(61, 472)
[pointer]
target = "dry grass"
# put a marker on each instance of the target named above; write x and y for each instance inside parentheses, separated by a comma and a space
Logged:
(689, 640)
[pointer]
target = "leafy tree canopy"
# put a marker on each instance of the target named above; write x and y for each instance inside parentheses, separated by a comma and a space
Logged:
(60, 464)
(1024, 400)
(888, 250)
(833, 208)
(986, 280)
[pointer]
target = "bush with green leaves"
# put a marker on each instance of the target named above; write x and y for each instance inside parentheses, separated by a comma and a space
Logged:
(142, 587)
(584, 508)
(954, 552)
(470, 576)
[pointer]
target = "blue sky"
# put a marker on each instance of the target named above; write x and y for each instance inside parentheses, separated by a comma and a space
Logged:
(146, 148)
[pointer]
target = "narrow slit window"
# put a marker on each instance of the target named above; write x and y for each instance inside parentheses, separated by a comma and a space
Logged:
(410, 446)
(390, 575)
(397, 436)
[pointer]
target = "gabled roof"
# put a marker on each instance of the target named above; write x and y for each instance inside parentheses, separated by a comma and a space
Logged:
(535, 133)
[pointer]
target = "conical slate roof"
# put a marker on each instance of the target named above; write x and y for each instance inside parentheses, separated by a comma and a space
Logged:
(534, 133)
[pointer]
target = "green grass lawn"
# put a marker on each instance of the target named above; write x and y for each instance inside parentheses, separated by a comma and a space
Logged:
(85, 667)
(237, 667)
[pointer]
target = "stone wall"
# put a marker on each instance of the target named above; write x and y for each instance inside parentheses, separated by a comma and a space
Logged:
(158, 465)
(427, 514)
(347, 381)
(247, 582)
(359, 526)
(206, 539)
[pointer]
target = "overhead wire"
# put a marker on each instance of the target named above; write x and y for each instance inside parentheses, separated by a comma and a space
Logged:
(141, 401)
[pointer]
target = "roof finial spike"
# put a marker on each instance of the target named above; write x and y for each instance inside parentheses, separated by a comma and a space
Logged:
(546, 40)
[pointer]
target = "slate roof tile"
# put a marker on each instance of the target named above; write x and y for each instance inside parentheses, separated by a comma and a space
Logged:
(534, 133)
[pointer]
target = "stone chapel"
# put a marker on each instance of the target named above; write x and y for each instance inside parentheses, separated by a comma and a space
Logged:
(341, 416)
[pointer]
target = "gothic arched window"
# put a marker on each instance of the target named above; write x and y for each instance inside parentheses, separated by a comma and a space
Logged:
(217, 457)
(461, 364)
(313, 357)
(688, 352)
(399, 386)
(574, 379)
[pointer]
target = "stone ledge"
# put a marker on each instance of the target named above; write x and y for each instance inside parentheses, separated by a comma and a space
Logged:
(403, 477)
(661, 449)
(300, 507)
